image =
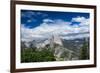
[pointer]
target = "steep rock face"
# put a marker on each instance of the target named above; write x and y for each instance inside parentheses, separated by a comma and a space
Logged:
(63, 50)
(60, 52)
(55, 40)
(52, 42)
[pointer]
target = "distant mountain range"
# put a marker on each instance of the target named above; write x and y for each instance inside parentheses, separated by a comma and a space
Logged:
(63, 49)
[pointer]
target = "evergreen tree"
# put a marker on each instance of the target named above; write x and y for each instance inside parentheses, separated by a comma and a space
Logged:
(84, 51)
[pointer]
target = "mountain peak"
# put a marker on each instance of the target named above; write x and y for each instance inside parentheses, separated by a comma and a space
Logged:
(55, 39)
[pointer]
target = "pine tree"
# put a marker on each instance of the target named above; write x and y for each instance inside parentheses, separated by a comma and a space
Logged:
(84, 51)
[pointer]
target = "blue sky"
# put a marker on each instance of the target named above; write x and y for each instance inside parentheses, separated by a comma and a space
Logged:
(31, 18)
(40, 24)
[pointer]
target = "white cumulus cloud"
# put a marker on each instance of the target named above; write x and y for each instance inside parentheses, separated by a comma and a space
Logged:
(58, 26)
(78, 19)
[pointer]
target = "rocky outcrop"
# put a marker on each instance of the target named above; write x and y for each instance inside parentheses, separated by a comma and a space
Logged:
(63, 50)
